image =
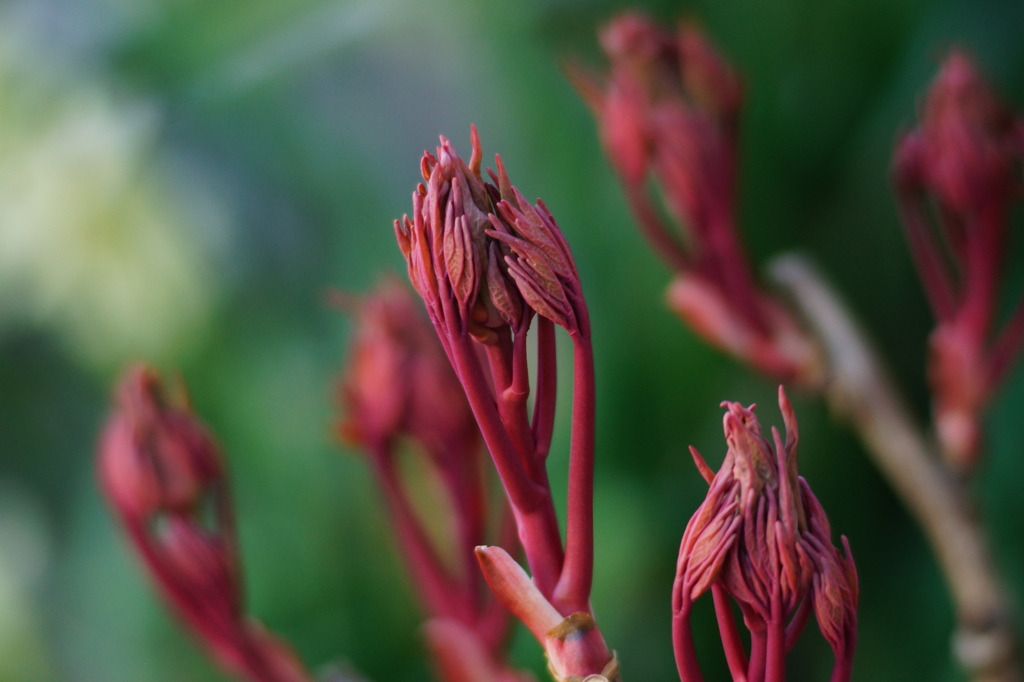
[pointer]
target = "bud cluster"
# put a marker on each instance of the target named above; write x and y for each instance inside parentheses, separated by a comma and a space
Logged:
(762, 539)
(957, 175)
(668, 111)
(167, 482)
(487, 263)
(399, 390)
(482, 257)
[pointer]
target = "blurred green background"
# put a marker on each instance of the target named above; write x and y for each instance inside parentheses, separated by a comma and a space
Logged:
(182, 181)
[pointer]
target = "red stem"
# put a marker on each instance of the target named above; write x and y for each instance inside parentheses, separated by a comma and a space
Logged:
(210, 615)
(653, 228)
(927, 255)
(1008, 344)
(758, 652)
(547, 387)
(531, 503)
(682, 642)
(513, 409)
(433, 582)
(573, 592)
(981, 273)
(731, 270)
(776, 655)
(734, 654)
(796, 625)
(464, 486)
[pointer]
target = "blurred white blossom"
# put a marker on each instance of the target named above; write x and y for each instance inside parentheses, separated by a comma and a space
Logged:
(97, 242)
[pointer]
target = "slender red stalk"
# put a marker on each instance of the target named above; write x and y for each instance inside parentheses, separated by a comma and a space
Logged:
(1007, 347)
(655, 230)
(758, 656)
(929, 260)
(573, 593)
(735, 657)
(775, 659)
(686, 654)
(433, 584)
(547, 387)
(531, 503)
(797, 624)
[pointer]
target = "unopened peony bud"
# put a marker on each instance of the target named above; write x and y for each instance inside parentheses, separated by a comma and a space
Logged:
(167, 482)
(762, 539)
(481, 255)
(668, 112)
(956, 175)
(154, 457)
(398, 381)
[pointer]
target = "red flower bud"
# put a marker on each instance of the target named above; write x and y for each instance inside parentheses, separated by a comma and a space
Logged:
(153, 457)
(398, 381)
(762, 537)
(970, 152)
(166, 480)
(481, 255)
(955, 176)
(668, 112)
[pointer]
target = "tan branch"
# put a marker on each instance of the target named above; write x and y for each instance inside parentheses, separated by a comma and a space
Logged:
(859, 390)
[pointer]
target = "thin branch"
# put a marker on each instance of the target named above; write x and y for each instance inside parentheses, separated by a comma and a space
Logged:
(1008, 344)
(735, 656)
(655, 230)
(860, 391)
(574, 584)
(927, 254)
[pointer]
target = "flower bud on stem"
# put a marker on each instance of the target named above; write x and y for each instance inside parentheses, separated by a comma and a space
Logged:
(487, 263)
(762, 540)
(166, 481)
(399, 389)
(964, 159)
(668, 112)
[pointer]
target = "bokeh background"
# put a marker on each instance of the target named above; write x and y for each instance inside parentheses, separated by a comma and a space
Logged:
(184, 181)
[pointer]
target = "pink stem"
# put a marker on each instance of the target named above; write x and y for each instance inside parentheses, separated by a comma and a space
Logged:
(776, 658)
(796, 625)
(531, 503)
(573, 592)
(981, 273)
(653, 228)
(1008, 344)
(758, 652)
(732, 272)
(547, 386)
(211, 618)
(927, 254)
(734, 654)
(465, 488)
(512, 405)
(432, 581)
(682, 642)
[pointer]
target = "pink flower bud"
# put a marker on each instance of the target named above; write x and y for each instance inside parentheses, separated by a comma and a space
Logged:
(763, 538)
(154, 457)
(970, 152)
(166, 480)
(956, 175)
(668, 112)
(670, 106)
(398, 381)
(480, 254)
